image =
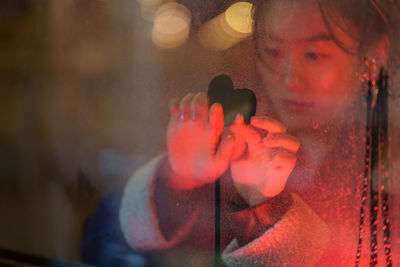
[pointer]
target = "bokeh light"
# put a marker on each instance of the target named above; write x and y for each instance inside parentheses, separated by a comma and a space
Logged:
(228, 28)
(238, 17)
(171, 25)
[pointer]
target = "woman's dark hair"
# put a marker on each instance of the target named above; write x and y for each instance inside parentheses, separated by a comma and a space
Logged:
(370, 20)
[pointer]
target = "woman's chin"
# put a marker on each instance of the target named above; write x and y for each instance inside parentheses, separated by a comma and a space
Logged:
(297, 122)
(297, 125)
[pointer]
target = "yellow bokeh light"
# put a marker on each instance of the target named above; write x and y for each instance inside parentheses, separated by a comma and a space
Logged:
(213, 35)
(238, 16)
(228, 28)
(171, 25)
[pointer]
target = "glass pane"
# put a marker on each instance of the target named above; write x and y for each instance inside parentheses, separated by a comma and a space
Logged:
(122, 143)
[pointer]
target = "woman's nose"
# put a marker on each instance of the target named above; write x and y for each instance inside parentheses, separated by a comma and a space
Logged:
(292, 74)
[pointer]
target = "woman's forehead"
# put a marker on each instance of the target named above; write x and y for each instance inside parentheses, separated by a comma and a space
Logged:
(297, 21)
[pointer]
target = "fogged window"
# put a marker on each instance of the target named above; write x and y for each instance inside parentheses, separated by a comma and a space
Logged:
(200, 133)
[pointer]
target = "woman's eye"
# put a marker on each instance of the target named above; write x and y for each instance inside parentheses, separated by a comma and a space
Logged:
(314, 56)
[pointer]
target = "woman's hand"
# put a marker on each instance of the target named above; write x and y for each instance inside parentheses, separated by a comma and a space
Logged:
(261, 166)
(196, 155)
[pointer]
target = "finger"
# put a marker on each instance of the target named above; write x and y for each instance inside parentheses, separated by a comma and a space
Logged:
(242, 131)
(224, 153)
(285, 141)
(269, 124)
(174, 109)
(184, 107)
(216, 119)
(199, 107)
(283, 160)
(239, 119)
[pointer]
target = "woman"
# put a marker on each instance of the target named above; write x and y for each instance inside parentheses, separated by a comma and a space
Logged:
(310, 56)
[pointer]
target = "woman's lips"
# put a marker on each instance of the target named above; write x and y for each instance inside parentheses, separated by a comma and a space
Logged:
(295, 106)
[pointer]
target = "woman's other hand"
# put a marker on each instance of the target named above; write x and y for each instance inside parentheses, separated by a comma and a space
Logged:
(260, 165)
(196, 155)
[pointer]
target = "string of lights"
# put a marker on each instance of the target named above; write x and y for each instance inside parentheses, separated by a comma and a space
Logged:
(376, 167)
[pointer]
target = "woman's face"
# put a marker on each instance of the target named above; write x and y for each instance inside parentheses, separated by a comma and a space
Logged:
(309, 79)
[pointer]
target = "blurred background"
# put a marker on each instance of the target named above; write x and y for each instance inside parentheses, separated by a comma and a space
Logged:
(84, 88)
